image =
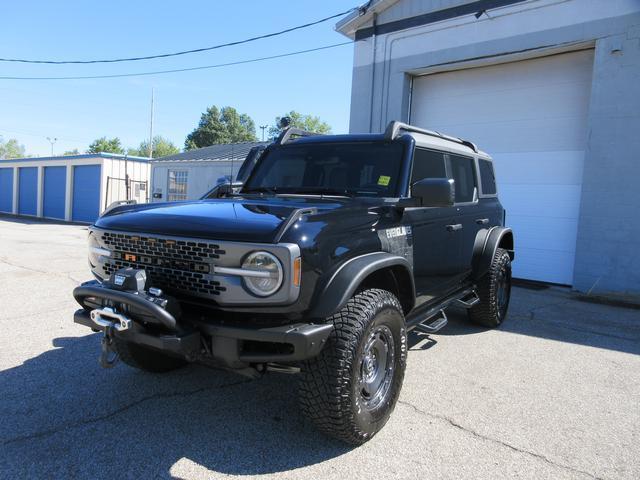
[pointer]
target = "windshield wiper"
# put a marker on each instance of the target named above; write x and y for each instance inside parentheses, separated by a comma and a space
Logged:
(320, 191)
(271, 190)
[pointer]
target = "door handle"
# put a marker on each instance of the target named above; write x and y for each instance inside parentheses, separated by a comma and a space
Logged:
(454, 228)
(482, 221)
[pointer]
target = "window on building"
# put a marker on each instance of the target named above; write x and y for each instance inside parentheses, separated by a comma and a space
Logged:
(463, 173)
(428, 164)
(177, 185)
(487, 177)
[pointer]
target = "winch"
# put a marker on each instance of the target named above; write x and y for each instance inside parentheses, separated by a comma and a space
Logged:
(117, 315)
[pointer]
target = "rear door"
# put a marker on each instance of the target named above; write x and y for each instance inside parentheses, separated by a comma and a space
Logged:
(469, 214)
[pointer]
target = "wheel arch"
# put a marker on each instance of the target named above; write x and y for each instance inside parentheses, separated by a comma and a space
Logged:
(375, 270)
(486, 243)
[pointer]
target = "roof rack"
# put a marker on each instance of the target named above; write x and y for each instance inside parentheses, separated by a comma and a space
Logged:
(290, 132)
(394, 127)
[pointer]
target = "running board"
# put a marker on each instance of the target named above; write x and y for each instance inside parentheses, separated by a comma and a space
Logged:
(420, 320)
(433, 326)
(469, 301)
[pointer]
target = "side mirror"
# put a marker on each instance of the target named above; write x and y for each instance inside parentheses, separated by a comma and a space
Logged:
(225, 189)
(222, 190)
(434, 192)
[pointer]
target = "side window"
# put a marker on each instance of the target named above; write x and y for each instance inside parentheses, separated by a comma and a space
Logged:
(428, 164)
(487, 177)
(177, 185)
(463, 172)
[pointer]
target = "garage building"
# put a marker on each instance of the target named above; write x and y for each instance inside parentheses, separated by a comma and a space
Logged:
(191, 174)
(550, 88)
(72, 188)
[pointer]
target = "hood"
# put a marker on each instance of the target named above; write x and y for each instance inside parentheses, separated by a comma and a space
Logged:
(221, 219)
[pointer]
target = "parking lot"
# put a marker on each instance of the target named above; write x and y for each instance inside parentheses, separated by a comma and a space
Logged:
(554, 393)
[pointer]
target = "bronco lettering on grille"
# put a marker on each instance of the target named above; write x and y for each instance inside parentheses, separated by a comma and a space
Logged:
(163, 262)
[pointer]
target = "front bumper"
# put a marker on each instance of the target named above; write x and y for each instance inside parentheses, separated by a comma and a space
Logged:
(193, 339)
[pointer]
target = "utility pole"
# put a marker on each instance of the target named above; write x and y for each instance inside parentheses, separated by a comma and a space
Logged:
(127, 186)
(151, 128)
(52, 141)
(262, 127)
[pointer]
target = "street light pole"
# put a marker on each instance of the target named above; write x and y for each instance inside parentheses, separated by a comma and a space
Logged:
(262, 127)
(52, 141)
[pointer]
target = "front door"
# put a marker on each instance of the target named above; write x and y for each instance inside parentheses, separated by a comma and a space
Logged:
(436, 237)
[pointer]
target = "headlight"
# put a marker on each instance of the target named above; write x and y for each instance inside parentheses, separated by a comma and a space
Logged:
(95, 251)
(264, 273)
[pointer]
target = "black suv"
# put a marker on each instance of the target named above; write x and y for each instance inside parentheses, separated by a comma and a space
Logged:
(320, 263)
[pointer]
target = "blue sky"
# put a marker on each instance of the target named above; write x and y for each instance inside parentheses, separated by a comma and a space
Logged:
(78, 111)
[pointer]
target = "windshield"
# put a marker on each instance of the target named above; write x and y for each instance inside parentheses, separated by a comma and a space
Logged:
(349, 169)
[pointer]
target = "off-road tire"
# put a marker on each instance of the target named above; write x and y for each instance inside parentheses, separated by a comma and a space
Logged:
(330, 395)
(490, 312)
(147, 359)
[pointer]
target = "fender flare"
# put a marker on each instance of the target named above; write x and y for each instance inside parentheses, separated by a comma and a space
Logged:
(485, 246)
(344, 282)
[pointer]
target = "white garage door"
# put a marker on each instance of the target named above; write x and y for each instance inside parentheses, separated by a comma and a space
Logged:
(531, 117)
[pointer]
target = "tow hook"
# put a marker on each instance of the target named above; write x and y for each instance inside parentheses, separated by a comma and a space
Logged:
(108, 354)
(109, 320)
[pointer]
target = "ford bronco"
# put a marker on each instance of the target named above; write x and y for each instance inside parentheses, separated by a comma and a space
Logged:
(320, 263)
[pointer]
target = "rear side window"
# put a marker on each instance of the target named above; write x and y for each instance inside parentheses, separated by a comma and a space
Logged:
(428, 164)
(463, 172)
(487, 177)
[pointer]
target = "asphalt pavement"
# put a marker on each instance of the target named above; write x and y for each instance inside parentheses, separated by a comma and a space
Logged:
(553, 393)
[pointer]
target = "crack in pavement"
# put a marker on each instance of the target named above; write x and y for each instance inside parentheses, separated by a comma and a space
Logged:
(11, 264)
(89, 421)
(473, 433)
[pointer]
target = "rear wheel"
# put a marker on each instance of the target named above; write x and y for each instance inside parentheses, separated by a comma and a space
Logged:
(351, 388)
(146, 359)
(494, 290)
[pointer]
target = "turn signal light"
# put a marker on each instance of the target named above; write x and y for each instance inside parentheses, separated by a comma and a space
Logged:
(297, 271)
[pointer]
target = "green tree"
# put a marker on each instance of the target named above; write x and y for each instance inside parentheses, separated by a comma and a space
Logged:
(299, 120)
(11, 149)
(161, 148)
(224, 125)
(75, 151)
(106, 145)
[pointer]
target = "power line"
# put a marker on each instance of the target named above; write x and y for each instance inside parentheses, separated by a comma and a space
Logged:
(184, 52)
(159, 72)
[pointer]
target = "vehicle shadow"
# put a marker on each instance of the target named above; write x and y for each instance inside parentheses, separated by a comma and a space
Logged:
(62, 415)
(554, 314)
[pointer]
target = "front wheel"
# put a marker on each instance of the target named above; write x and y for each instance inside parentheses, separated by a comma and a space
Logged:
(351, 388)
(494, 290)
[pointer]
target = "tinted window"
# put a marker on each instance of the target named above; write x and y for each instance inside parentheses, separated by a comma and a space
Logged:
(355, 168)
(462, 171)
(427, 164)
(487, 177)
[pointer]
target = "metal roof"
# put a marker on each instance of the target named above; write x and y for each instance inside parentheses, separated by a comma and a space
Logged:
(214, 153)
(76, 157)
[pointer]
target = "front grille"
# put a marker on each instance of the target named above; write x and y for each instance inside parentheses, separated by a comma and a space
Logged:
(174, 265)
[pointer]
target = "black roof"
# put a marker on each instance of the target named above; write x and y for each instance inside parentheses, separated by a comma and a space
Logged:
(220, 153)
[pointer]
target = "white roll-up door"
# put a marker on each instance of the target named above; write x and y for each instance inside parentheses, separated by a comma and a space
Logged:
(531, 117)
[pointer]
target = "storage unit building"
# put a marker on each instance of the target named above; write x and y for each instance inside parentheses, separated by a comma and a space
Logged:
(189, 175)
(73, 188)
(549, 88)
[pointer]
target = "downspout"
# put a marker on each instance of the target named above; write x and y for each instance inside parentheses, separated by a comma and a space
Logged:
(373, 69)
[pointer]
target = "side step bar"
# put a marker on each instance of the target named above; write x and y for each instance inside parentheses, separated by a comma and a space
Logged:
(469, 301)
(424, 321)
(437, 324)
